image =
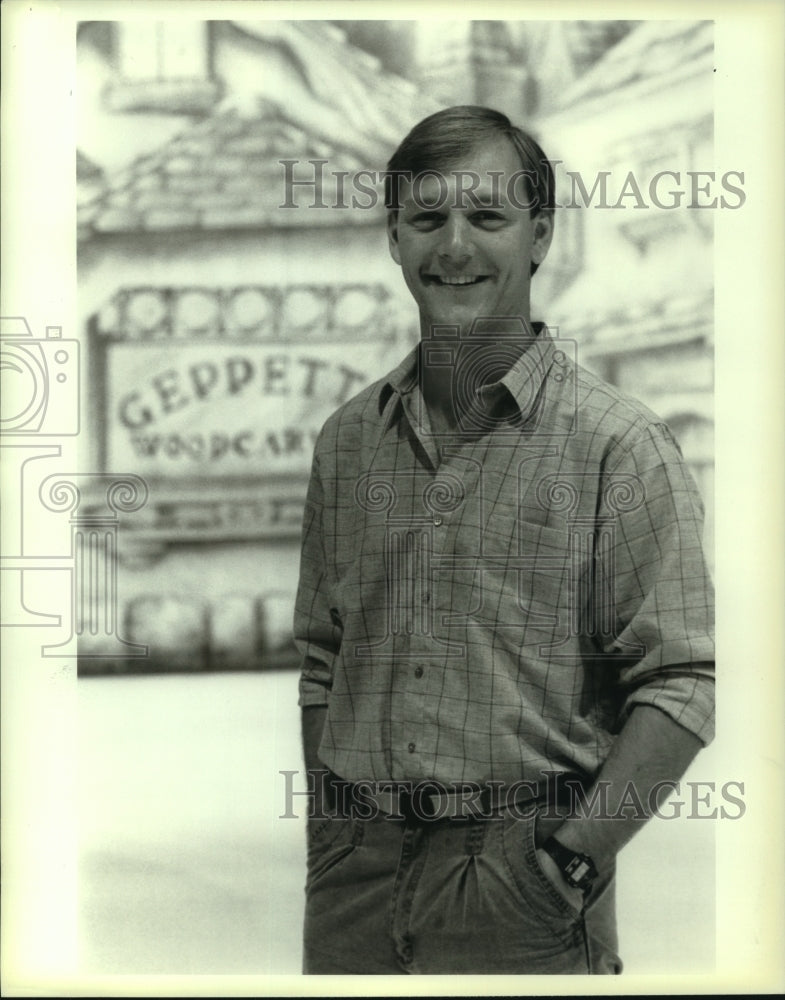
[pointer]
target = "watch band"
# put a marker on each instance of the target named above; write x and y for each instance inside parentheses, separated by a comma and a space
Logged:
(578, 869)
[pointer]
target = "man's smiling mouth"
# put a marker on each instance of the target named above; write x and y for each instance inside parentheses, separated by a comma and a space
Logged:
(457, 280)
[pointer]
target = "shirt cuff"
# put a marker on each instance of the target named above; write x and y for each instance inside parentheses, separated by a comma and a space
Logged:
(312, 693)
(686, 696)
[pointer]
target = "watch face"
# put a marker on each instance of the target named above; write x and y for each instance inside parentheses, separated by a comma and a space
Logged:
(578, 869)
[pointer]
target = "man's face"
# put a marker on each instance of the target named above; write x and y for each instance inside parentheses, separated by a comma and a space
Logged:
(470, 255)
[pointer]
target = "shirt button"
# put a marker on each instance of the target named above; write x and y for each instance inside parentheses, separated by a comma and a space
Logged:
(411, 748)
(437, 520)
(418, 671)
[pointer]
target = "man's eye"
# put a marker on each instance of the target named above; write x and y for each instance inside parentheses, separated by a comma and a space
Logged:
(488, 218)
(427, 220)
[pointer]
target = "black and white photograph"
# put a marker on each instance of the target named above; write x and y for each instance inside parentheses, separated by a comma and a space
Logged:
(390, 410)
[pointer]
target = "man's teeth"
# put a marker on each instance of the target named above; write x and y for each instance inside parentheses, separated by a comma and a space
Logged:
(461, 280)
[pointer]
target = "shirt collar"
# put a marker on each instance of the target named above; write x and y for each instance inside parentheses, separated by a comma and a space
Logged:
(403, 378)
(523, 381)
(525, 378)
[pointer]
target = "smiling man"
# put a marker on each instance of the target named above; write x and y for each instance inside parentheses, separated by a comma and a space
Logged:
(504, 611)
(461, 247)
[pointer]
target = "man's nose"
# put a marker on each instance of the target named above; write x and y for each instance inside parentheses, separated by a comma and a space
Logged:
(455, 239)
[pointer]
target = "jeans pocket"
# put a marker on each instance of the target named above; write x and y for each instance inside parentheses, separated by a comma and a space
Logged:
(532, 882)
(329, 843)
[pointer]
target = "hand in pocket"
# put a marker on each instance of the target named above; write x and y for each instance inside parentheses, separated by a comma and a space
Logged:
(552, 871)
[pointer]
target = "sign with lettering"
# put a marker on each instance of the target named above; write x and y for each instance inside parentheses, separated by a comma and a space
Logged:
(227, 409)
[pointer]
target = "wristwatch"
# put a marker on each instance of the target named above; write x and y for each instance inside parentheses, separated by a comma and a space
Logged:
(578, 869)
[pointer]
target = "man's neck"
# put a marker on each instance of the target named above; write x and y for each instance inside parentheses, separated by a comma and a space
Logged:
(445, 384)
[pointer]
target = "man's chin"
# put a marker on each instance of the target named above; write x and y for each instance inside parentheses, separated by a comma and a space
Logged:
(462, 316)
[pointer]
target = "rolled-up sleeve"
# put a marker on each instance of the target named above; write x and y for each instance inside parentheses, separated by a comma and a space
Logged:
(663, 596)
(317, 632)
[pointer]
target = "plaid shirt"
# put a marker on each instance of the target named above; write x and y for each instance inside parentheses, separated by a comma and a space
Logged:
(492, 605)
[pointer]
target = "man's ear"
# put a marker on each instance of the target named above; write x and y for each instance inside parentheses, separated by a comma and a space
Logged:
(392, 236)
(543, 234)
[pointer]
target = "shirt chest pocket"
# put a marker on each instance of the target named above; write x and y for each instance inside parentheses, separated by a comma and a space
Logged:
(520, 576)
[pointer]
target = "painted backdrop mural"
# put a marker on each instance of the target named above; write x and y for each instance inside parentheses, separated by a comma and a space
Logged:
(225, 315)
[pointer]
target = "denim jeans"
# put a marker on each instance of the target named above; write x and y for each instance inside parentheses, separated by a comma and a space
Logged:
(448, 897)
